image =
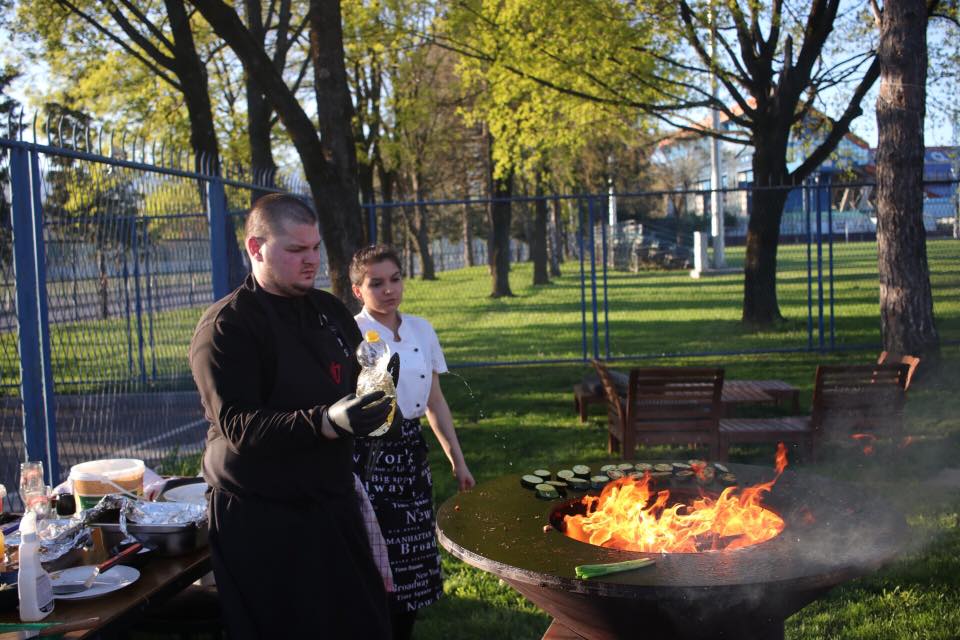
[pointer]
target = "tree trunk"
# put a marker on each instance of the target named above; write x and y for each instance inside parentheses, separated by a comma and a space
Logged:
(368, 197)
(334, 115)
(538, 239)
(555, 248)
(421, 233)
(760, 305)
(258, 112)
(906, 303)
(467, 232)
(192, 75)
(500, 236)
(385, 234)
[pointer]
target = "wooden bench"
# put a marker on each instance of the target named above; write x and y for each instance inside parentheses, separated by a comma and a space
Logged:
(848, 400)
(663, 405)
(735, 393)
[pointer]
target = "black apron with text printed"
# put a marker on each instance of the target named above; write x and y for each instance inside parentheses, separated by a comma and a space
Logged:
(299, 568)
(397, 478)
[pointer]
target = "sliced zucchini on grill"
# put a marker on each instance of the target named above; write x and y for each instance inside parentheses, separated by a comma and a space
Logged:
(543, 473)
(578, 484)
(547, 491)
(565, 474)
(599, 482)
(582, 471)
(530, 481)
(663, 467)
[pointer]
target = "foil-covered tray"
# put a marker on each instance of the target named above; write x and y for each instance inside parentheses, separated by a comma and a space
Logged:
(58, 537)
(166, 528)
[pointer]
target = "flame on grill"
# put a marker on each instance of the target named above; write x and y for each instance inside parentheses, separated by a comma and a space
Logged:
(628, 515)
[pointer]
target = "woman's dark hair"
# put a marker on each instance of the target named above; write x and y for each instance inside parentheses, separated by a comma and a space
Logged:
(367, 256)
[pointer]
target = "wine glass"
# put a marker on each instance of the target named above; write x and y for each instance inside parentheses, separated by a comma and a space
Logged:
(33, 491)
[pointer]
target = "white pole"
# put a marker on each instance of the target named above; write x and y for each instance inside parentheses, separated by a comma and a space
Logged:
(716, 197)
(612, 199)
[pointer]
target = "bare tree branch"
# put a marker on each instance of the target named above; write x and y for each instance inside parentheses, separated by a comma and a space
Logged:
(142, 17)
(150, 64)
(840, 127)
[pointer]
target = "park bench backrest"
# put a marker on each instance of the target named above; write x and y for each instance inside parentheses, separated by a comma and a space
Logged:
(859, 399)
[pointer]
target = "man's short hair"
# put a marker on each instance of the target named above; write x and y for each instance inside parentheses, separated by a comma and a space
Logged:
(271, 212)
(367, 256)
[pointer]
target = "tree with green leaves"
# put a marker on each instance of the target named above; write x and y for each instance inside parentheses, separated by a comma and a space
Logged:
(537, 131)
(326, 149)
(656, 59)
(102, 39)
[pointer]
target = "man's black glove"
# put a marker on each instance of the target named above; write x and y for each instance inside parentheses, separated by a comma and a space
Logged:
(353, 416)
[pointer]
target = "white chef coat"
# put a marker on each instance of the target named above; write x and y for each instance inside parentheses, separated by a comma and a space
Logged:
(420, 357)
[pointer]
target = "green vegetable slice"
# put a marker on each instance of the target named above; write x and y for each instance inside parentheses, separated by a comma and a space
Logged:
(587, 571)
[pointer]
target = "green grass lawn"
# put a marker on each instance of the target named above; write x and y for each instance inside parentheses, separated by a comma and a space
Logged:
(647, 314)
(516, 419)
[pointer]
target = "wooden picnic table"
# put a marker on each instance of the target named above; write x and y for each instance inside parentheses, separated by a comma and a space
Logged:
(160, 579)
(736, 393)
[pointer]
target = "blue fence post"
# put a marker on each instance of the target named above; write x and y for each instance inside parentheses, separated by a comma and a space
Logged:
(806, 211)
(819, 260)
(593, 277)
(137, 298)
(52, 465)
(217, 217)
(126, 308)
(28, 320)
(830, 251)
(583, 278)
(149, 281)
(372, 220)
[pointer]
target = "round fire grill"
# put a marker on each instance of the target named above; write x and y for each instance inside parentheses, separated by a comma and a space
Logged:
(833, 532)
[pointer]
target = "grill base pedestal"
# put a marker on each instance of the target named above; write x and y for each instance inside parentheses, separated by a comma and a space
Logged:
(557, 631)
(581, 617)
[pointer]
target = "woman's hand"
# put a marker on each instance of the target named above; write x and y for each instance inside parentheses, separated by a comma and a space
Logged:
(465, 480)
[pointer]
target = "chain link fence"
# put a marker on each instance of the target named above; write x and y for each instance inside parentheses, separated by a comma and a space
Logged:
(126, 271)
(124, 275)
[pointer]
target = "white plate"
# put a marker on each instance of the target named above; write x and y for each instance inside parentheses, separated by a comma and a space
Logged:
(114, 578)
(195, 493)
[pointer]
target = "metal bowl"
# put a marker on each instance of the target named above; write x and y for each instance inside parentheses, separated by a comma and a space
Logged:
(163, 539)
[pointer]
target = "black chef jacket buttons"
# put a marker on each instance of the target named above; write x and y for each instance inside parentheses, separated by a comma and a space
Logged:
(416, 349)
(422, 376)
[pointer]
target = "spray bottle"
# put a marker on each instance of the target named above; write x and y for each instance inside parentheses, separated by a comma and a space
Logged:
(33, 583)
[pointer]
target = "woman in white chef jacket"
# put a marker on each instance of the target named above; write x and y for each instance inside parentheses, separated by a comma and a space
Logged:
(395, 469)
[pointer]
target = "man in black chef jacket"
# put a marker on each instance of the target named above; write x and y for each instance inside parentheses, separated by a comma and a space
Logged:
(274, 363)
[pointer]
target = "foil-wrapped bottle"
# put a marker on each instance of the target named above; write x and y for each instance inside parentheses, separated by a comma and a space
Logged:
(373, 354)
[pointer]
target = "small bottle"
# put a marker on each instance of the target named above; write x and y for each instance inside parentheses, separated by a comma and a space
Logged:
(33, 582)
(373, 354)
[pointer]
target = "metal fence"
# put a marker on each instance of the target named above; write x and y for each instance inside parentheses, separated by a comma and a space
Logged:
(110, 258)
(624, 290)
(112, 261)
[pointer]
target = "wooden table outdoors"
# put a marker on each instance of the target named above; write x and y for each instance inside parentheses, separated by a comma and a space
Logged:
(736, 393)
(160, 579)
